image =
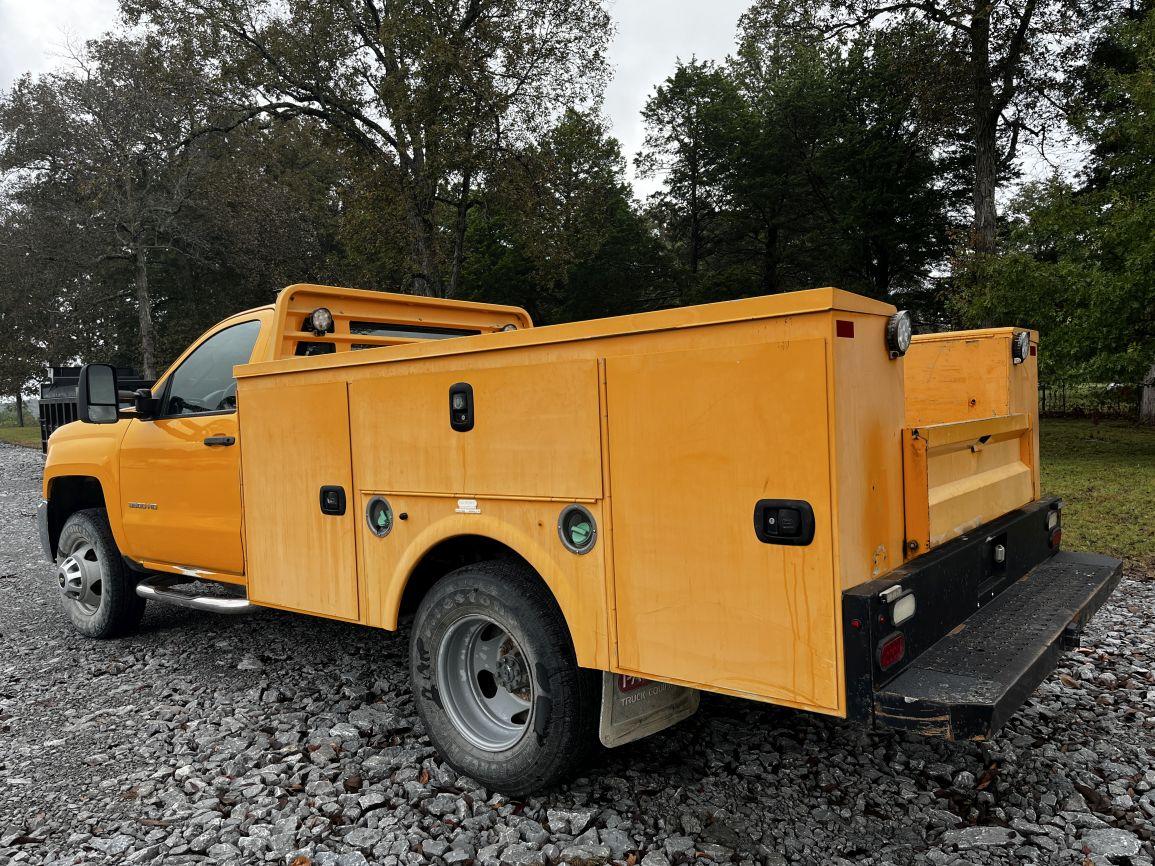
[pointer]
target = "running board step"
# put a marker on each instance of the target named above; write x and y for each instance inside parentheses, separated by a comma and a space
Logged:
(160, 588)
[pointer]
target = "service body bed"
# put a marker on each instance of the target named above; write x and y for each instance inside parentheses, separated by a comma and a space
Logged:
(689, 436)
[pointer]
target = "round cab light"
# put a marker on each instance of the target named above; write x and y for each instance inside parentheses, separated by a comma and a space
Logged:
(379, 516)
(509, 327)
(1020, 347)
(320, 321)
(899, 330)
(577, 529)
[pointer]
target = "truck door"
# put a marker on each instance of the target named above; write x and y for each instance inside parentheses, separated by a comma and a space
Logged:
(180, 472)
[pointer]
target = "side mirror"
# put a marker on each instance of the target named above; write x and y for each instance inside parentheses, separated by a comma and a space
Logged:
(96, 394)
(145, 404)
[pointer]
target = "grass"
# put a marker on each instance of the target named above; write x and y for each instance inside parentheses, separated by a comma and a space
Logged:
(1105, 473)
(28, 435)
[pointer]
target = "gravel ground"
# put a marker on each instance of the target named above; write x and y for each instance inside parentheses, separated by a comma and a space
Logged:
(293, 740)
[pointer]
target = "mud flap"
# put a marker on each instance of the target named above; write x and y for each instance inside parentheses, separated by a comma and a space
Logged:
(633, 708)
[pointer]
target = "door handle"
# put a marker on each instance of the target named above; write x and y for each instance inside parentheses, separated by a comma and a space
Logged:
(220, 440)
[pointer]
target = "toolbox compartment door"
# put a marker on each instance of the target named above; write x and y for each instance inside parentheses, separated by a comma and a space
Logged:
(961, 475)
(696, 439)
(294, 441)
(536, 432)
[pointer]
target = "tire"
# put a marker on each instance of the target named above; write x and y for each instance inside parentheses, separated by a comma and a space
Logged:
(97, 590)
(518, 724)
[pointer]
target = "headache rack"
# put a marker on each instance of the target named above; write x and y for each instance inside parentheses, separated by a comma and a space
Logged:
(370, 320)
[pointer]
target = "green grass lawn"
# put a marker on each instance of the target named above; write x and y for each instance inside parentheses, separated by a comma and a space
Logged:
(27, 435)
(1105, 473)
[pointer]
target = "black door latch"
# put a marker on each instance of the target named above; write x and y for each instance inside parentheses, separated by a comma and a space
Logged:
(784, 521)
(461, 407)
(333, 499)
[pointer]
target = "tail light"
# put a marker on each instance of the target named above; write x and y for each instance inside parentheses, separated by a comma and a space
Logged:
(891, 650)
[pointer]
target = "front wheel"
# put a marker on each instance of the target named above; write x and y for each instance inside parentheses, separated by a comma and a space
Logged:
(496, 681)
(97, 590)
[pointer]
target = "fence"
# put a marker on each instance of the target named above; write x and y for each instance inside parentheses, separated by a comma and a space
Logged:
(58, 397)
(1116, 399)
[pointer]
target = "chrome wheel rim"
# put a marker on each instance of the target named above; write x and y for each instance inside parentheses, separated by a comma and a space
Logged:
(485, 685)
(81, 578)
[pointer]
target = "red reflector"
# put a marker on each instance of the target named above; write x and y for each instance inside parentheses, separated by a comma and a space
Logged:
(843, 328)
(891, 651)
(1056, 538)
(1034, 350)
(627, 683)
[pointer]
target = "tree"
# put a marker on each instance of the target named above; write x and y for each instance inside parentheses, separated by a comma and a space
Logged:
(436, 87)
(559, 233)
(106, 143)
(1010, 55)
(880, 173)
(800, 163)
(30, 299)
(1077, 259)
(686, 120)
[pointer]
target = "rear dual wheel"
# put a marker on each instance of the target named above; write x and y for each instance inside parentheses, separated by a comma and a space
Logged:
(496, 681)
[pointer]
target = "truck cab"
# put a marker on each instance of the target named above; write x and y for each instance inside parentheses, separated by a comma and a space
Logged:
(790, 499)
(168, 471)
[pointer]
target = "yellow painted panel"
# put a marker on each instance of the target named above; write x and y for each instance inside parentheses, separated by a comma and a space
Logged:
(295, 439)
(536, 432)
(965, 474)
(696, 439)
(866, 415)
(951, 378)
(527, 526)
(195, 491)
(972, 446)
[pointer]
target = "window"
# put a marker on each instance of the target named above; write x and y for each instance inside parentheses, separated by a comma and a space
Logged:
(204, 381)
(389, 329)
(309, 348)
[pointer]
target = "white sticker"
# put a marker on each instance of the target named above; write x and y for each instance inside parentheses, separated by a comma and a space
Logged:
(467, 506)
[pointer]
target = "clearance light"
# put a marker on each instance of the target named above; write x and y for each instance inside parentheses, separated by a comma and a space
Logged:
(320, 321)
(1020, 347)
(891, 650)
(903, 609)
(899, 330)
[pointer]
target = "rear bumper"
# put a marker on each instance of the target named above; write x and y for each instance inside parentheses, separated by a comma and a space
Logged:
(984, 638)
(968, 684)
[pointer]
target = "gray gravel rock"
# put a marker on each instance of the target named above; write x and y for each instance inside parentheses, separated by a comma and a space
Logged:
(980, 837)
(274, 738)
(1111, 842)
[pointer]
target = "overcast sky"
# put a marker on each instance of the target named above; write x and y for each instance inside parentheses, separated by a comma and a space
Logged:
(651, 34)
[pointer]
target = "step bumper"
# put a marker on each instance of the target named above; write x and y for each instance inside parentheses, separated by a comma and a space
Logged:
(969, 683)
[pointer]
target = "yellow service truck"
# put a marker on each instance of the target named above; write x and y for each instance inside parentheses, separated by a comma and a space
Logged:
(784, 498)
